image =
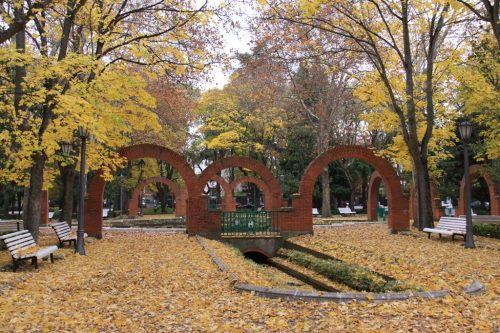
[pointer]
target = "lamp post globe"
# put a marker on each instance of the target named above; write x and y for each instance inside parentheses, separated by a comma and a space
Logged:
(66, 148)
(465, 129)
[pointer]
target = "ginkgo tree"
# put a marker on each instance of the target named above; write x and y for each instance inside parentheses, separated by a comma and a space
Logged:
(72, 67)
(405, 43)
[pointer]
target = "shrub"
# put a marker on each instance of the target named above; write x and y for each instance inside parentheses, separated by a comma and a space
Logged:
(487, 230)
(354, 276)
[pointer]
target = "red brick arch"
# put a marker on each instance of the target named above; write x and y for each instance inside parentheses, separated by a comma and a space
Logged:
(398, 218)
(93, 202)
(260, 184)
(493, 189)
(265, 174)
(180, 195)
(373, 188)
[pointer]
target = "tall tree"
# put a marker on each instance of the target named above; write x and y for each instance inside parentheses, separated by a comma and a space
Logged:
(402, 41)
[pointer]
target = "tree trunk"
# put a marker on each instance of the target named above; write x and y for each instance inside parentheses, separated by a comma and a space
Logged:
(19, 196)
(34, 202)
(415, 195)
(6, 200)
(364, 191)
(67, 175)
(162, 196)
(423, 193)
(326, 208)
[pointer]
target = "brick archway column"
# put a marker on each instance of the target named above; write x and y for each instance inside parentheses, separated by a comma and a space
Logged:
(181, 203)
(493, 189)
(95, 192)
(398, 218)
(229, 205)
(263, 187)
(373, 188)
(133, 202)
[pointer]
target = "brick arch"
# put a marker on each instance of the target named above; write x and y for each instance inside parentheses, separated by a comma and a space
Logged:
(373, 188)
(260, 184)
(398, 218)
(228, 204)
(476, 170)
(244, 162)
(179, 192)
(95, 192)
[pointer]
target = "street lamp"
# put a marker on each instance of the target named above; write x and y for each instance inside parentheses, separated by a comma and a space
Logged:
(84, 135)
(121, 195)
(66, 148)
(465, 129)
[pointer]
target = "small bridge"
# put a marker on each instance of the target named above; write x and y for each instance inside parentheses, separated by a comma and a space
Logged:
(252, 231)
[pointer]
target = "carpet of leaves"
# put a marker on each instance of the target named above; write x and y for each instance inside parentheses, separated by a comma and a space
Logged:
(139, 282)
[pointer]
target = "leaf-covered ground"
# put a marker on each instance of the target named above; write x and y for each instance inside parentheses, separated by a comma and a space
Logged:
(147, 283)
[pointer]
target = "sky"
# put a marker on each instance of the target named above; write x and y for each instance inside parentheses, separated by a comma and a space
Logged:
(234, 41)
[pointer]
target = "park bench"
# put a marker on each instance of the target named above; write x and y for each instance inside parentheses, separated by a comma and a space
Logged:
(63, 232)
(315, 211)
(346, 211)
(448, 226)
(11, 225)
(22, 246)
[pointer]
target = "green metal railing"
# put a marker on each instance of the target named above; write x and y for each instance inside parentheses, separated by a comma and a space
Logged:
(249, 223)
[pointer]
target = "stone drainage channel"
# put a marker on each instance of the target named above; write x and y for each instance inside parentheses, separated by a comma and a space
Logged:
(309, 280)
(325, 291)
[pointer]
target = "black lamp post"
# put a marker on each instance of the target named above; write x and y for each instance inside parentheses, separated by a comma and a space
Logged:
(121, 195)
(66, 148)
(465, 129)
(84, 135)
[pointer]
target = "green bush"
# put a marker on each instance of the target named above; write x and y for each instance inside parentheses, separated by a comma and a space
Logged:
(354, 276)
(487, 230)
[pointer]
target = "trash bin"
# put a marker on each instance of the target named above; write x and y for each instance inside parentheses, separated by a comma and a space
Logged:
(381, 213)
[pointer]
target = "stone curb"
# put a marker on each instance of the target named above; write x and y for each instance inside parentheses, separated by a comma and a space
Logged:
(475, 288)
(337, 297)
(218, 262)
(131, 229)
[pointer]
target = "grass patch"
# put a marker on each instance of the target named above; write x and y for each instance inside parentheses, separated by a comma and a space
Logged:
(356, 277)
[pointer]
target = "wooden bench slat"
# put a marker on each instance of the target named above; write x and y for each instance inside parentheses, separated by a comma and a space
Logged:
(18, 241)
(22, 234)
(13, 234)
(25, 244)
